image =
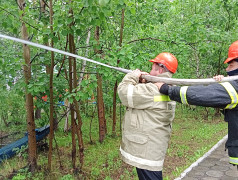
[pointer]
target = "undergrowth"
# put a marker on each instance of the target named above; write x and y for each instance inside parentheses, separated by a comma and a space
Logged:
(195, 131)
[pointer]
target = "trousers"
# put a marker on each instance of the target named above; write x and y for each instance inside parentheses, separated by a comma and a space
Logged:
(144, 174)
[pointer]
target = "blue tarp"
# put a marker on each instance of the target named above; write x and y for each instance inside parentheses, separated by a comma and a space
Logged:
(8, 150)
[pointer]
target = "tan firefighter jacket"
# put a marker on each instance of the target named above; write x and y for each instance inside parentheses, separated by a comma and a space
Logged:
(146, 127)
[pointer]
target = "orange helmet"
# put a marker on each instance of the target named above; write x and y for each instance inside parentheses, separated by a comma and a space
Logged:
(233, 52)
(167, 59)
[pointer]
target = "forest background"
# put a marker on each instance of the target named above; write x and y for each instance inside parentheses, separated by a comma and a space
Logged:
(121, 33)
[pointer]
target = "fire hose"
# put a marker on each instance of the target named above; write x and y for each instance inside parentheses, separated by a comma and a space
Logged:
(149, 78)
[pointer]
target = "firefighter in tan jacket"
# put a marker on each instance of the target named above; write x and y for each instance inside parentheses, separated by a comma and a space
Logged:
(146, 128)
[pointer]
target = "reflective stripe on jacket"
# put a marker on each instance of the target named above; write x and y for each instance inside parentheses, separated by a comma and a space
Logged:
(219, 95)
(146, 127)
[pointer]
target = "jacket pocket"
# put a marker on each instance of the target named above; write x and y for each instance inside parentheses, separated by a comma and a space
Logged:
(134, 122)
(136, 144)
(132, 119)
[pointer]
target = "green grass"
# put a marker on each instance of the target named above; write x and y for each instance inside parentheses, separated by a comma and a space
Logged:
(192, 136)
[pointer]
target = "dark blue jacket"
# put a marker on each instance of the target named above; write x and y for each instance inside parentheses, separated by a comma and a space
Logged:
(215, 95)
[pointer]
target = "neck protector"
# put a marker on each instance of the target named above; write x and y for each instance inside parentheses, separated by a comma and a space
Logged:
(233, 73)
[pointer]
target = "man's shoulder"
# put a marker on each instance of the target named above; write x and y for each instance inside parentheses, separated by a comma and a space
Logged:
(234, 83)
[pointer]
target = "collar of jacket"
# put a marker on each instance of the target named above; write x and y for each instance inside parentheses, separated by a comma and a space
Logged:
(232, 73)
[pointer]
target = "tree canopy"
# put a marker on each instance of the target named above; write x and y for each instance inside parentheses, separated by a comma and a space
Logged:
(121, 33)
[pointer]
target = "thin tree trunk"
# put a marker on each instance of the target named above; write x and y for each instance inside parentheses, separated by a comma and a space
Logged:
(73, 128)
(100, 104)
(62, 64)
(114, 116)
(42, 10)
(67, 104)
(71, 85)
(58, 153)
(38, 113)
(96, 34)
(32, 160)
(122, 26)
(79, 134)
(42, 6)
(51, 135)
(78, 126)
(66, 123)
(90, 128)
(84, 62)
(105, 122)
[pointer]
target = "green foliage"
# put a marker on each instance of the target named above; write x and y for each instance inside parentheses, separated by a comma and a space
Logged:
(102, 160)
(19, 177)
(23, 174)
(197, 32)
(12, 111)
(21, 151)
(67, 177)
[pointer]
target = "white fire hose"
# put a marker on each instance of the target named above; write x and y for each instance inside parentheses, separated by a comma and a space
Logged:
(150, 78)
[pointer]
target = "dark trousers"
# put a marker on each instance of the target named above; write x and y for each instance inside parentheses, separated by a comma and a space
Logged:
(144, 174)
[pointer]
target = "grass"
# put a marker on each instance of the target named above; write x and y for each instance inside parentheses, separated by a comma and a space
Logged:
(192, 136)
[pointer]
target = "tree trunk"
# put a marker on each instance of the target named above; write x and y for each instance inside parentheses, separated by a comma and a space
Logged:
(51, 135)
(78, 126)
(66, 123)
(114, 111)
(79, 134)
(38, 113)
(73, 128)
(197, 63)
(42, 6)
(84, 62)
(122, 26)
(100, 105)
(42, 10)
(96, 34)
(114, 116)
(29, 98)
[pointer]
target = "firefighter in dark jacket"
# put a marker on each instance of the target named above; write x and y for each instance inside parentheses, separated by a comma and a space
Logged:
(219, 95)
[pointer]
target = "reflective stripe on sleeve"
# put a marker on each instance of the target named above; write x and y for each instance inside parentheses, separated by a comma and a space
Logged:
(129, 95)
(161, 98)
(140, 160)
(232, 93)
(183, 91)
(234, 160)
